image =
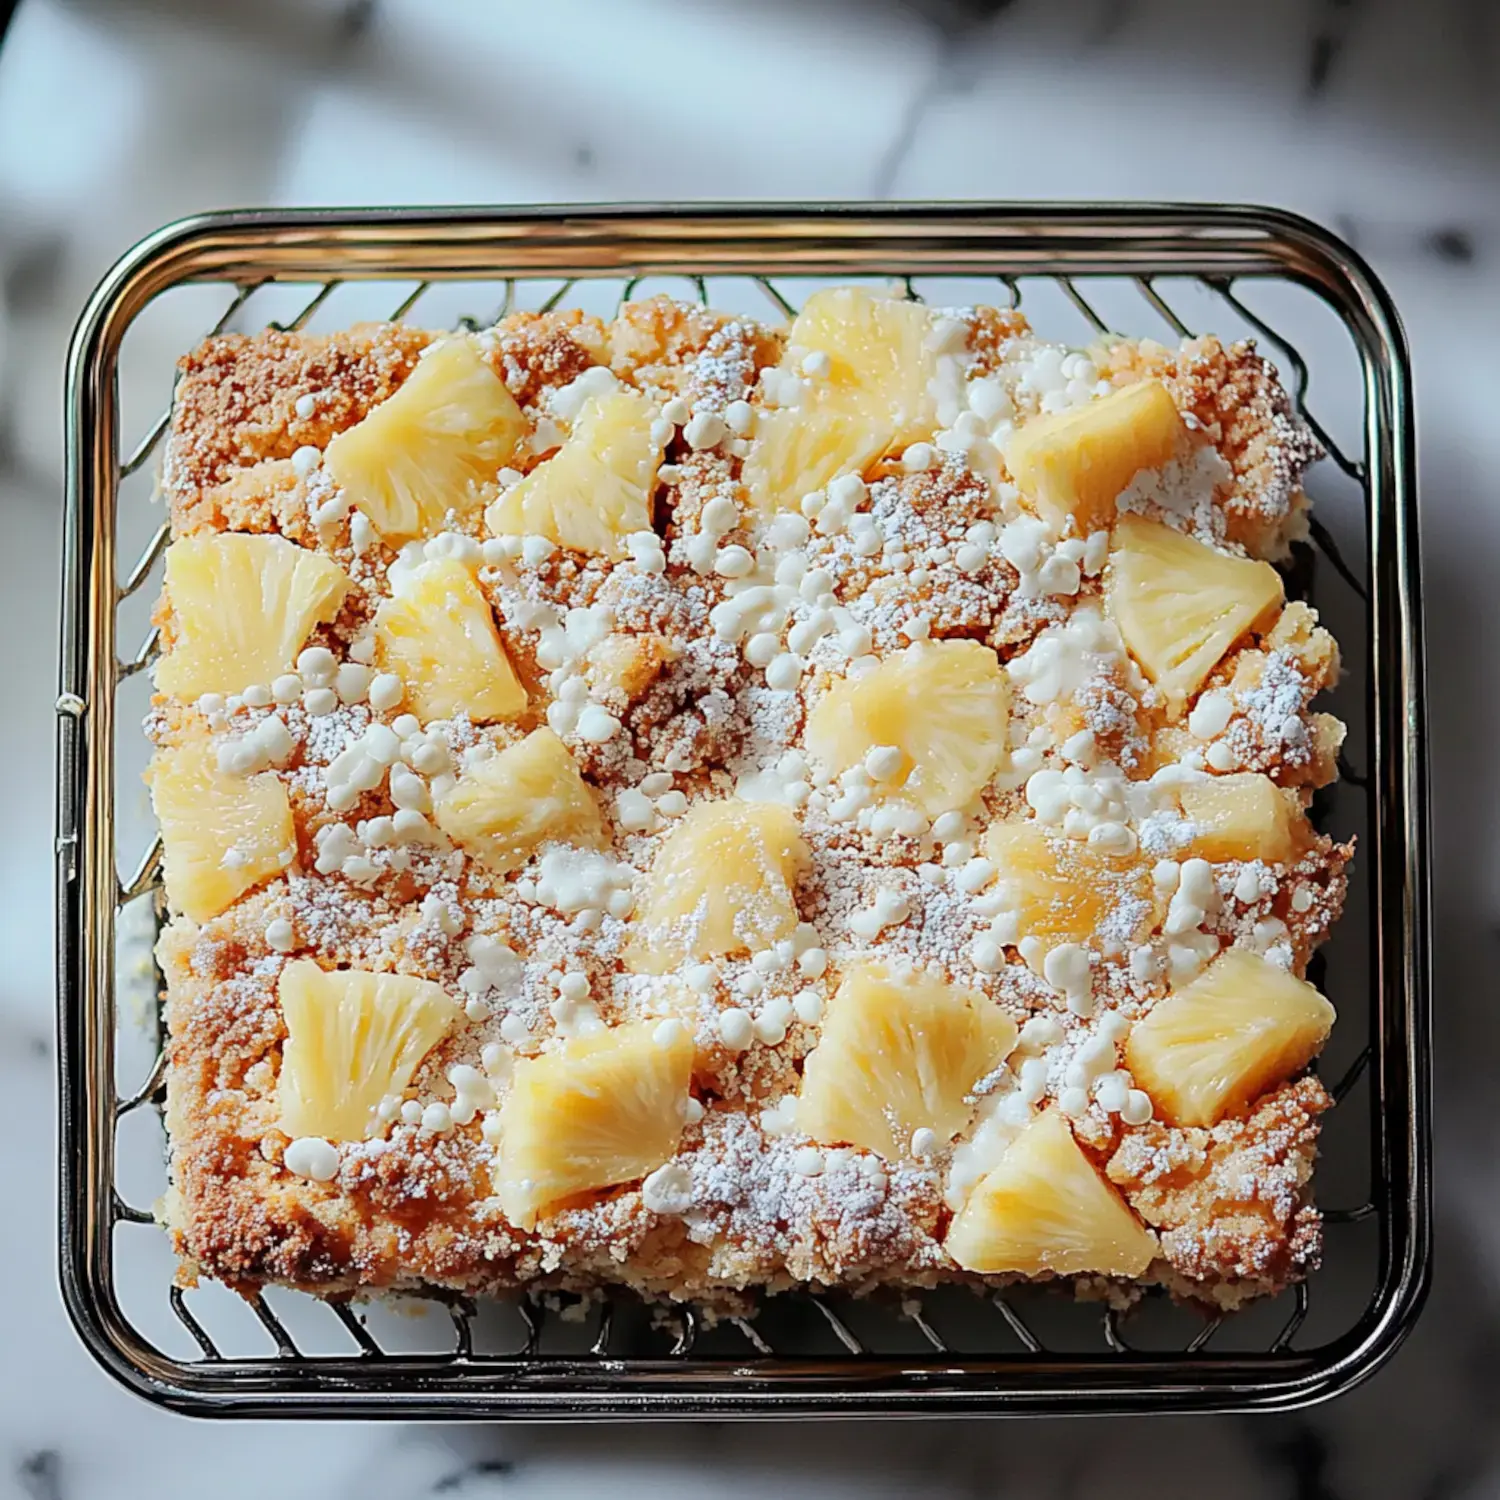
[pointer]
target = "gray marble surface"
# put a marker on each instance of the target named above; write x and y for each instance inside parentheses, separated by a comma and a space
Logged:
(1379, 117)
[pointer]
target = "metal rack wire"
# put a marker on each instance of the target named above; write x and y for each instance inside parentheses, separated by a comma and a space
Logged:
(812, 1353)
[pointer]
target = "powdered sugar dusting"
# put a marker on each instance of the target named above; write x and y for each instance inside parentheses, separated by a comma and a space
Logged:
(682, 673)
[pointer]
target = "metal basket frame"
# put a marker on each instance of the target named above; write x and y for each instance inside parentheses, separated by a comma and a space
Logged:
(1215, 245)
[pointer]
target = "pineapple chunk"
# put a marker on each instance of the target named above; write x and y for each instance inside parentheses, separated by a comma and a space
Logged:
(874, 397)
(796, 452)
(1243, 816)
(600, 1110)
(1076, 462)
(1043, 1208)
(1181, 605)
(435, 446)
(899, 1052)
(508, 803)
(242, 606)
(596, 490)
(721, 883)
(943, 704)
(880, 364)
(1065, 890)
(439, 636)
(1211, 1049)
(221, 834)
(353, 1037)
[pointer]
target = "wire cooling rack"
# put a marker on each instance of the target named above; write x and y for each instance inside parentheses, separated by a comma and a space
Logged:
(1159, 271)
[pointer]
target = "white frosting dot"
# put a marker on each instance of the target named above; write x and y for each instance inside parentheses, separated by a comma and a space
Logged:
(280, 935)
(1073, 1102)
(784, 672)
(739, 417)
(812, 961)
(986, 956)
(762, 649)
(808, 1161)
(597, 725)
(317, 666)
(808, 1006)
(386, 691)
(312, 1157)
(888, 908)
(1210, 714)
(733, 562)
(668, 1190)
(721, 514)
(736, 1029)
(705, 430)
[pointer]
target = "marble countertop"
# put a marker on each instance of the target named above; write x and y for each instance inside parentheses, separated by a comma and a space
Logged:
(1374, 116)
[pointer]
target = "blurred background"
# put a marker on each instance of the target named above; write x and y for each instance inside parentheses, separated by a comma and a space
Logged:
(1376, 117)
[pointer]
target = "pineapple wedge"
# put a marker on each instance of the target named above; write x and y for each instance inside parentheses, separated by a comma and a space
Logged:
(1181, 605)
(943, 704)
(874, 397)
(596, 490)
(438, 635)
(1243, 816)
(503, 807)
(1241, 1027)
(1076, 462)
(599, 1110)
(1044, 1208)
(899, 1052)
(879, 362)
(353, 1037)
(1063, 890)
(221, 834)
(242, 606)
(433, 447)
(723, 882)
(796, 452)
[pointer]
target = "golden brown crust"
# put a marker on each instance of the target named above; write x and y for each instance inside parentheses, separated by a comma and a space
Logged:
(1229, 1204)
(668, 347)
(1232, 395)
(537, 352)
(992, 331)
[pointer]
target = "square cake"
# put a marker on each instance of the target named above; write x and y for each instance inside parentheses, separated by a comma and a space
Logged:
(709, 807)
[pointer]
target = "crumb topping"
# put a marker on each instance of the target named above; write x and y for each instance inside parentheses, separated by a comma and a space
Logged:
(948, 751)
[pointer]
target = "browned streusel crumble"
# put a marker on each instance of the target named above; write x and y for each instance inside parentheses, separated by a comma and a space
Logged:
(673, 687)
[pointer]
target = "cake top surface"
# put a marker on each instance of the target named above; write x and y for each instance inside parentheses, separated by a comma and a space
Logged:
(736, 802)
